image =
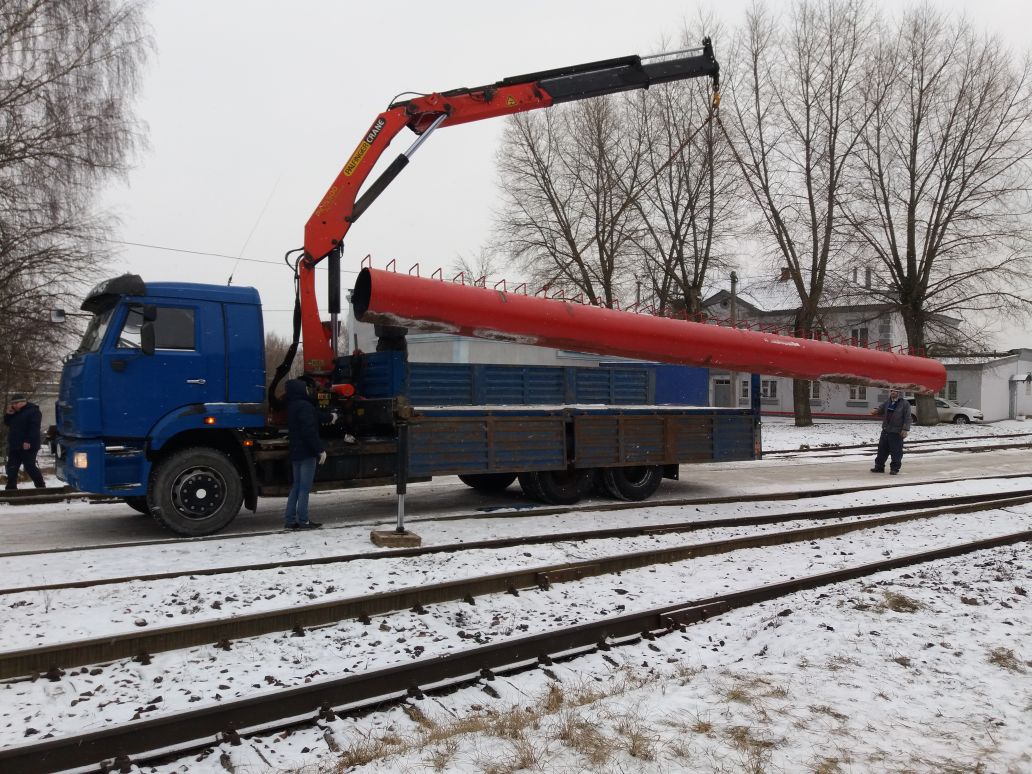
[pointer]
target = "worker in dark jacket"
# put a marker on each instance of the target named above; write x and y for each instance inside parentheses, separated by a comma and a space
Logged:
(23, 420)
(895, 414)
(306, 451)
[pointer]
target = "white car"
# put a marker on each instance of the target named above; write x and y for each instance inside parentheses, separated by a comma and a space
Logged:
(951, 411)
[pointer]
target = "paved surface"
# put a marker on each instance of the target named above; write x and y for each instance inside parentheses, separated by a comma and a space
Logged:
(77, 524)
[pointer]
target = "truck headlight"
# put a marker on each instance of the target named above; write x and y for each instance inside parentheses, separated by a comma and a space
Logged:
(80, 460)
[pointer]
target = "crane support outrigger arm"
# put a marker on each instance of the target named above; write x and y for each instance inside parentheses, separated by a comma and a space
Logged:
(341, 206)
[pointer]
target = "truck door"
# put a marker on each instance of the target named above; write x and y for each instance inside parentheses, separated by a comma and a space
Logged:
(187, 367)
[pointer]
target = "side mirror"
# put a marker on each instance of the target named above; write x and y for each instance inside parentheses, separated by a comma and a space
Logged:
(57, 315)
(147, 338)
(150, 313)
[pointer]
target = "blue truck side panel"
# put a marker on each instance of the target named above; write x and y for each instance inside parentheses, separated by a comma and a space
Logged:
(464, 384)
(681, 385)
(487, 442)
(246, 362)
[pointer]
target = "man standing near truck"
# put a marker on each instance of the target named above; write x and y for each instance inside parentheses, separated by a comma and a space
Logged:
(306, 451)
(23, 420)
(895, 413)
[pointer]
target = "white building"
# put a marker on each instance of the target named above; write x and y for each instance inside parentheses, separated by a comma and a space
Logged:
(1000, 384)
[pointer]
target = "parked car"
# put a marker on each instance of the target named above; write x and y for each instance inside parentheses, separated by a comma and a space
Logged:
(951, 411)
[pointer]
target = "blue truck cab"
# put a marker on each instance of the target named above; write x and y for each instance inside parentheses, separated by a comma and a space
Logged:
(164, 404)
(161, 366)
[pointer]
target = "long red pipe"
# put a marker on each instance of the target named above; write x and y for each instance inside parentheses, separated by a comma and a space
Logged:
(431, 305)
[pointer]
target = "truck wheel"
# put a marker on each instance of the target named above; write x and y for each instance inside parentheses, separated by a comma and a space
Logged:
(530, 486)
(138, 504)
(635, 483)
(564, 487)
(488, 482)
(196, 492)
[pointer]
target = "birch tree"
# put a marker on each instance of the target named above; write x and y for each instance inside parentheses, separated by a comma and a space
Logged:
(68, 75)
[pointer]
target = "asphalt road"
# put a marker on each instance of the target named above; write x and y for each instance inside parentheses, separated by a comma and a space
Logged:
(80, 524)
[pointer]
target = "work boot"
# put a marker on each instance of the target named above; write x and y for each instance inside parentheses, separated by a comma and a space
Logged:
(893, 472)
(877, 470)
(310, 525)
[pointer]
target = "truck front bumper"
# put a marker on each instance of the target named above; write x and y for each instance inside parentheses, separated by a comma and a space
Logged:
(89, 465)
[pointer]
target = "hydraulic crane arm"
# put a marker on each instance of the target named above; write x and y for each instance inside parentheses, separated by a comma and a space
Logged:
(341, 206)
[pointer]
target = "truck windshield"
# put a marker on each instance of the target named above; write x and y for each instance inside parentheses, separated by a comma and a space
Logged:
(95, 331)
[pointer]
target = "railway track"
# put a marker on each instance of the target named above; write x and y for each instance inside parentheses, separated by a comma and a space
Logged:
(511, 512)
(122, 746)
(141, 644)
(910, 443)
(934, 445)
(556, 537)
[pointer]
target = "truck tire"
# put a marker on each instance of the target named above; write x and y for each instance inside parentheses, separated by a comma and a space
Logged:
(488, 482)
(634, 483)
(559, 487)
(138, 504)
(531, 488)
(196, 491)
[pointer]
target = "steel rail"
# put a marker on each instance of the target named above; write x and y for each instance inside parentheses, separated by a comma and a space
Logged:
(187, 731)
(818, 453)
(545, 538)
(51, 659)
(911, 442)
(501, 512)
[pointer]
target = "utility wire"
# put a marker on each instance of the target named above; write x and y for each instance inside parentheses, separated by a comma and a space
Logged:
(253, 229)
(213, 255)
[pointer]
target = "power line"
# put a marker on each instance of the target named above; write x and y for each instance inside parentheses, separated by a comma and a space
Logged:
(213, 255)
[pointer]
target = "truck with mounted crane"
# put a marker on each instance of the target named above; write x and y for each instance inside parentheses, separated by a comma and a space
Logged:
(165, 403)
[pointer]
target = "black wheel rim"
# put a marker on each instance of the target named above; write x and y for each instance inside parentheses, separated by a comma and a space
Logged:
(198, 493)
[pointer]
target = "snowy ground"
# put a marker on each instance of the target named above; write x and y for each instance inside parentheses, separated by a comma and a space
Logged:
(923, 670)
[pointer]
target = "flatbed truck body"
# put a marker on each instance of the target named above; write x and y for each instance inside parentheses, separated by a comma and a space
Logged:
(179, 426)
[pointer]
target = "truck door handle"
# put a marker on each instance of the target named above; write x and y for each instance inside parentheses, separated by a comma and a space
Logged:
(196, 381)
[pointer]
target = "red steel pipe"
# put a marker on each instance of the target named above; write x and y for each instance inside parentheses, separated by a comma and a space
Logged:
(430, 305)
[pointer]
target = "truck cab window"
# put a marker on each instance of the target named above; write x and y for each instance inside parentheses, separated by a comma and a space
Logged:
(95, 331)
(173, 328)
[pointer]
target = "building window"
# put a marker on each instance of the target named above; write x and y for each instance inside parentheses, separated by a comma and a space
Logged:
(857, 392)
(859, 337)
(815, 390)
(745, 389)
(949, 392)
(768, 388)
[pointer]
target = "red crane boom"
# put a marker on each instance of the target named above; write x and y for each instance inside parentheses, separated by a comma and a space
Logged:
(340, 207)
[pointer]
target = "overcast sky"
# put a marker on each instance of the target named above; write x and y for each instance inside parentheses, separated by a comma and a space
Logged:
(254, 105)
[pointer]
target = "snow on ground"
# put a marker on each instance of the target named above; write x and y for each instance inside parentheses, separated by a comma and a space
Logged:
(126, 690)
(780, 433)
(39, 618)
(924, 669)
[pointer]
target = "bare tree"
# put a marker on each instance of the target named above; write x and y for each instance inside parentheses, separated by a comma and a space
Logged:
(276, 347)
(486, 264)
(68, 75)
(689, 200)
(941, 197)
(794, 122)
(566, 218)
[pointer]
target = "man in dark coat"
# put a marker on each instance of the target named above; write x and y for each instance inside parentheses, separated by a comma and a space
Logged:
(896, 415)
(23, 420)
(306, 451)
